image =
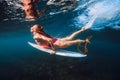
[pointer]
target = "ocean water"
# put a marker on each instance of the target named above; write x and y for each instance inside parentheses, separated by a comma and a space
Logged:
(20, 61)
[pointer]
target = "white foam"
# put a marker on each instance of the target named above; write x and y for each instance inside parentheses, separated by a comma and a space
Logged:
(106, 11)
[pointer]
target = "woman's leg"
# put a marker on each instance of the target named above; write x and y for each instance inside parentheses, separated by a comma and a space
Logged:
(64, 44)
(73, 35)
(87, 26)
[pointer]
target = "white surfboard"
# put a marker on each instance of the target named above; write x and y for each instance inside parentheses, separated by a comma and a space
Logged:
(59, 52)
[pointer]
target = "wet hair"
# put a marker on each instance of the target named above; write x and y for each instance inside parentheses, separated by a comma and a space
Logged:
(39, 29)
(36, 28)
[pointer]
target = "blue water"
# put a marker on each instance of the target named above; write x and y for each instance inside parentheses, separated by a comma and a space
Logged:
(20, 61)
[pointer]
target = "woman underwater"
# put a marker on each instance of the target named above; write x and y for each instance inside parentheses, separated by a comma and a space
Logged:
(47, 41)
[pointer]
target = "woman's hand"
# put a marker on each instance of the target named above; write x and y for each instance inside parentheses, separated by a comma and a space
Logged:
(52, 52)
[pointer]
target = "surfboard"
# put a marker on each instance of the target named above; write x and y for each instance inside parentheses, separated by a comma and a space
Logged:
(59, 52)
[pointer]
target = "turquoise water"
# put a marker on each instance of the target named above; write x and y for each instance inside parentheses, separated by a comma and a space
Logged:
(20, 61)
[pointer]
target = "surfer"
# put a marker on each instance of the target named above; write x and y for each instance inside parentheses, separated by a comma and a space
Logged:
(29, 7)
(47, 41)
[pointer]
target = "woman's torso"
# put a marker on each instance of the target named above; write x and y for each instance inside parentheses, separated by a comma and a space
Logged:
(39, 40)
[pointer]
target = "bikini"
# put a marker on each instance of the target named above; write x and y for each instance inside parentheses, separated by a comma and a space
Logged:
(45, 46)
(55, 39)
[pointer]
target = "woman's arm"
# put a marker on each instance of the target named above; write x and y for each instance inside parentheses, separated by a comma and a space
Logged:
(49, 40)
(52, 48)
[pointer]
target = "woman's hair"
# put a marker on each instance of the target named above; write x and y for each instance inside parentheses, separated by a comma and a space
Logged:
(39, 29)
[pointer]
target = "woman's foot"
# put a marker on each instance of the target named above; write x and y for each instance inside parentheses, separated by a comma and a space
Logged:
(87, 41)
